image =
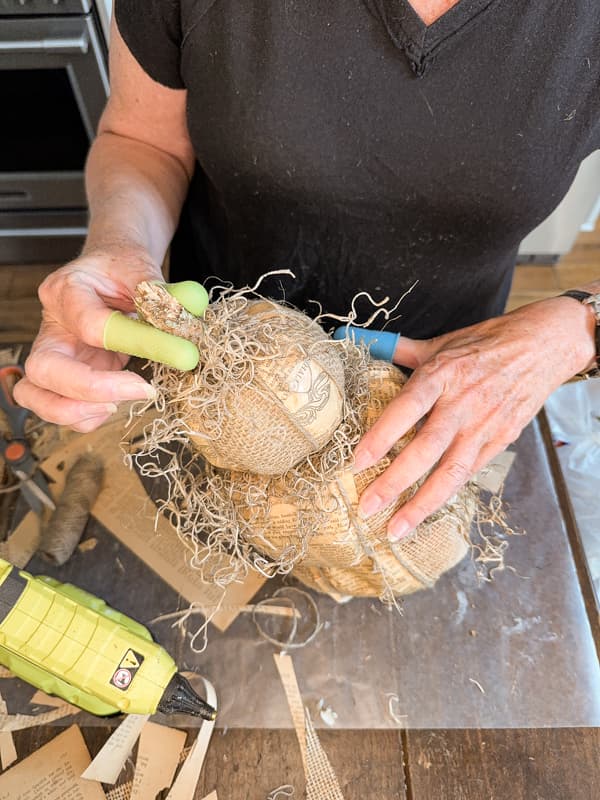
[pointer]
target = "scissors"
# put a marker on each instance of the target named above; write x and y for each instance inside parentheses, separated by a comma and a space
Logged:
(16, 451)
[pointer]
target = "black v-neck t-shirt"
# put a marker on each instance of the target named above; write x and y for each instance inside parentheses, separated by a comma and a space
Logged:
(350, 143)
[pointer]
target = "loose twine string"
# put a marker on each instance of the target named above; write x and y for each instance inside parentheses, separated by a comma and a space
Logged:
(280, 604)
(290, 642)
(287, 790)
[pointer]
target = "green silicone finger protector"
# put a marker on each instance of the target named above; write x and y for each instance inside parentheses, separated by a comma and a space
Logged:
(191, 295)
(126, 335)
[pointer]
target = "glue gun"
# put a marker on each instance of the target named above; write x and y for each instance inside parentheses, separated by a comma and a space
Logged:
(69, 643)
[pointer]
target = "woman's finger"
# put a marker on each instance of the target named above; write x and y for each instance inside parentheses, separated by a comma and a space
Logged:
(414, 401)
(77, 307)
(65, 375)
(412, 353)
(489, 452)
(83, 299)
(59, 410)
(417, 458)
(454, 470)
(91, 424)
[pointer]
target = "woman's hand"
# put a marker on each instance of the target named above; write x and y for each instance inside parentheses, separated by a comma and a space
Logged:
(477, 387)
(70, 378)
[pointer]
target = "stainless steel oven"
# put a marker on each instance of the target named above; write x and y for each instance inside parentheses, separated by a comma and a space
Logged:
(53, 88)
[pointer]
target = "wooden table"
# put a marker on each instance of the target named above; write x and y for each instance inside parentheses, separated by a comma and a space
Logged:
(421, 762)
(526, 764)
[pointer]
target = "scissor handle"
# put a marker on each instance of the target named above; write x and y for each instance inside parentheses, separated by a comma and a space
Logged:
(16, 414)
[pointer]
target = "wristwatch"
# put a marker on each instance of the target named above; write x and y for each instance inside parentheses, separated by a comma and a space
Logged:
(593, 301)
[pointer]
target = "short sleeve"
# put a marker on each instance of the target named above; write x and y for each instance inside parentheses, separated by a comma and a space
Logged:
(152, 31)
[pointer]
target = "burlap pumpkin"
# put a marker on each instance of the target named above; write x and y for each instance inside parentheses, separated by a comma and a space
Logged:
(294, 403)
(276, 407)
(269, 389)
(351, 556)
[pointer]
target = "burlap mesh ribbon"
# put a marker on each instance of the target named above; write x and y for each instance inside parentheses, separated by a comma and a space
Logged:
(321, 780)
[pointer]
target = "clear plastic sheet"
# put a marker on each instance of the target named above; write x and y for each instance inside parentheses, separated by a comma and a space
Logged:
(515, 652)
(574, 416)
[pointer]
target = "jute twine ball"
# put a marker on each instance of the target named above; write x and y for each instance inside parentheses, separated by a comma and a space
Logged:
(347, 555)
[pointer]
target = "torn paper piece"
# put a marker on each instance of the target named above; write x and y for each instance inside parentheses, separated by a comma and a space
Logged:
(123, 790)
(123, 507)
(211, 796)
(186, 782)
(42, 699)
(109, 762)
(157, 759)
(492, 477)
(276, 611)
(8, 753)
(19, 722)
(52, 772)
(21, 545)
(87, 545)
(287, 673)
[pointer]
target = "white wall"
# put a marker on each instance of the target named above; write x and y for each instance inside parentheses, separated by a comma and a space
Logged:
(579, 209)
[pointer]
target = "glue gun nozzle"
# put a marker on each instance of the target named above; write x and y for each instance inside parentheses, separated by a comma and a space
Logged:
(180, 698)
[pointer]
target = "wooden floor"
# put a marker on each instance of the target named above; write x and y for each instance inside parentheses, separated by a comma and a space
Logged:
(577, 268)
(20, 309)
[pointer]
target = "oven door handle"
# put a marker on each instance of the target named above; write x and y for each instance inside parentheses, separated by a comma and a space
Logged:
(77, 45)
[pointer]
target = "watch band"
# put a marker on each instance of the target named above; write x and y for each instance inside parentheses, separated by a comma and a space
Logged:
(577, 294)
(593, 301)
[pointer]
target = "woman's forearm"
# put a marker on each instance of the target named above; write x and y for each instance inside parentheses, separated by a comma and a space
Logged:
(135, 194)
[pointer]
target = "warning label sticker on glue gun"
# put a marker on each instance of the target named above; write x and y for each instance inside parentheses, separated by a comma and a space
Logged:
(125, 673)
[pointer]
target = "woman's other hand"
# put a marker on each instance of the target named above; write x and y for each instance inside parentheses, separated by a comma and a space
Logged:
(476, 388)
